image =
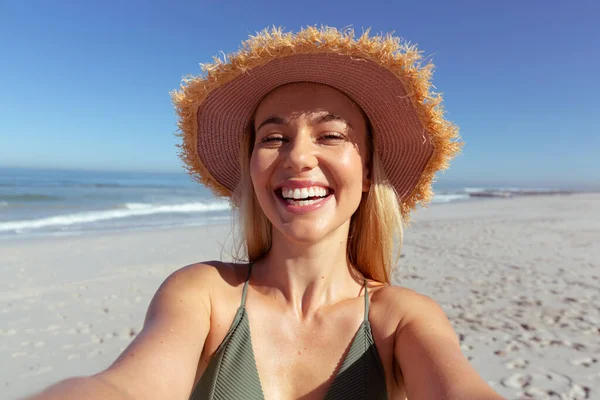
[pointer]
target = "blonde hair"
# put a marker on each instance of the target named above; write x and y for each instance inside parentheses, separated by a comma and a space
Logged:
(375, 227)
(254, 239)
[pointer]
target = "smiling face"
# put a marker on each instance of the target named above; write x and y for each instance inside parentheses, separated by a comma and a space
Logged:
(309, 160)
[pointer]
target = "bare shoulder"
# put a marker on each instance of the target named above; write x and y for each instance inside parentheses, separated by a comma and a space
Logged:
(406, 302)
(204, 275)
(207, 273)
(189, 292)
(394, 294)
(162, 360)
(407, 309)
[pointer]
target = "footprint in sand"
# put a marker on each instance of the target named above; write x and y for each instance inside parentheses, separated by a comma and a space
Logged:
(512, 346)
(575, 393)
(548, 385)
(585, 362)
(519, 363)
(517, 381)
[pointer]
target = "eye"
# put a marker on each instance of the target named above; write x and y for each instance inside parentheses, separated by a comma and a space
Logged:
(275, 139)
(332, 137)
(272, 139)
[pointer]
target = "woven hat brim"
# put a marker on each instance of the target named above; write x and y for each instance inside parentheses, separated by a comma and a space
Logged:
(402, 142)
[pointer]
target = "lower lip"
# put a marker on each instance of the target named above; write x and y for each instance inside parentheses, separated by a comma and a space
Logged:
(303, 209)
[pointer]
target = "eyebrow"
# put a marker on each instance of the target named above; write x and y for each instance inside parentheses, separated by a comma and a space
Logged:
(277, 120)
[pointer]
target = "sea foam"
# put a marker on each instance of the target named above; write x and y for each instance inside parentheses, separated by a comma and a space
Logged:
(127, 210)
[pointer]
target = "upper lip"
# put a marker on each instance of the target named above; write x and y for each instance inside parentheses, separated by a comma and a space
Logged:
(296, 184)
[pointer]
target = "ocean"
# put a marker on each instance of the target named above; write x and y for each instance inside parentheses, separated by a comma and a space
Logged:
(35, 202)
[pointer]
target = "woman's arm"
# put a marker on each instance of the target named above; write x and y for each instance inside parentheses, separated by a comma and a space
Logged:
(429, 355)
(161, 362)
(90, 387)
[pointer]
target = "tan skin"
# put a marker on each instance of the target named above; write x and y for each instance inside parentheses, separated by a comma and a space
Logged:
(305, 302)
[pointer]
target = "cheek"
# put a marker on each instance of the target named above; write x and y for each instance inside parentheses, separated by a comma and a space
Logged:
(351, 163)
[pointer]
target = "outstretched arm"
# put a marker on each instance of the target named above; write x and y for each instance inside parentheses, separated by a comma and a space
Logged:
(161, 362)
(429, 355)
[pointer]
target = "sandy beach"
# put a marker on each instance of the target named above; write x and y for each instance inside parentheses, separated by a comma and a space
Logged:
(519, 279)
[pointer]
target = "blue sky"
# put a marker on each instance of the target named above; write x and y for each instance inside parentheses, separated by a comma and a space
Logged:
(86, 85)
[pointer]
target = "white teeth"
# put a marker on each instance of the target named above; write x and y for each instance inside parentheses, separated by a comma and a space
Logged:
(304, 193)
(301, 202)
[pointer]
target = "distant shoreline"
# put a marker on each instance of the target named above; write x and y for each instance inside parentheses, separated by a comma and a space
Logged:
(38, 203)
(228, 220)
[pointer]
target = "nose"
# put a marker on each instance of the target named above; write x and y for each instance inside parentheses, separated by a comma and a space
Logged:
(300, 155)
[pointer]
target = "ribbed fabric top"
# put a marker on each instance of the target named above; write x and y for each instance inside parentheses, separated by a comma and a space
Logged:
(232, 372)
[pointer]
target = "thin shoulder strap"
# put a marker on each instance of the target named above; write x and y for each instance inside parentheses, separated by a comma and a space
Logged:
(245, 291)
(366, 302)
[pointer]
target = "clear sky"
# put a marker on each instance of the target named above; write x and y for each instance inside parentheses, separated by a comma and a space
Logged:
(85, 84)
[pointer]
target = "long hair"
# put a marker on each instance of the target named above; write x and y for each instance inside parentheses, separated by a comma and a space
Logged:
(254, 238)
(375, 227)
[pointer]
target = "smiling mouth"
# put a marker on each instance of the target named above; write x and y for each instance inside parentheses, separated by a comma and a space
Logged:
(304, 196)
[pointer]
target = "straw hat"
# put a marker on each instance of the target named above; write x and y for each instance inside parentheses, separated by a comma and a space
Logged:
(379, 73)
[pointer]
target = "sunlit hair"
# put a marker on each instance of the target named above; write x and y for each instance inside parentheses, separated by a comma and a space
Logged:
(375, 228)
(253, 240)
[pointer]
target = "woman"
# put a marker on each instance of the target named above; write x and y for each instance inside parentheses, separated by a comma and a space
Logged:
(340, 138)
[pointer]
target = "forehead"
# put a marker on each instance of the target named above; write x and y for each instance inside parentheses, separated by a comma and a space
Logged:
(307, 98)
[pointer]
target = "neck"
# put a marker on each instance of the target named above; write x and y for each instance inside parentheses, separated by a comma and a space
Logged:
(308, 276)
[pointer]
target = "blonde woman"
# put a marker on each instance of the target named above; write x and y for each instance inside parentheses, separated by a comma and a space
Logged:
(324, 142)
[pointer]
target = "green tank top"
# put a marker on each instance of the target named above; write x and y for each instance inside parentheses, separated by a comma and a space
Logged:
(232, 373)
